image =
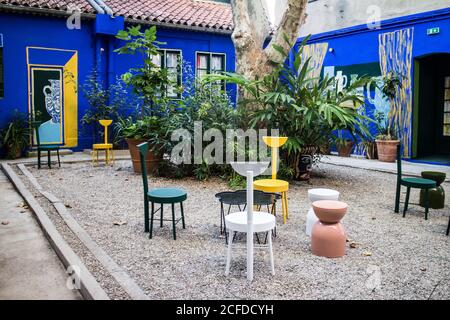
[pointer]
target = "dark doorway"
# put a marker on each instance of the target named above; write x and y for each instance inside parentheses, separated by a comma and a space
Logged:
(432, 109)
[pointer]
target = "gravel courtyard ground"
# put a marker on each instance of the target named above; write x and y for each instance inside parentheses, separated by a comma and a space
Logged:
(410, 256)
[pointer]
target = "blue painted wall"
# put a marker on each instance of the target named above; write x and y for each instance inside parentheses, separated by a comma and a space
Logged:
(359, 45)
(22, 30)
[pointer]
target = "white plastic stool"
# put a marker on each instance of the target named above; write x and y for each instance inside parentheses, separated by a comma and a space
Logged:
(262, 222)
(317, 195)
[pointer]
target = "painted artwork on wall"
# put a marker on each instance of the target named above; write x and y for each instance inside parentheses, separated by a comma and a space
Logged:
(396, 51)
(46, 92)
(53, 94)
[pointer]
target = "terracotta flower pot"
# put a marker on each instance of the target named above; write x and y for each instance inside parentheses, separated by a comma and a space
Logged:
(151, 161)
(329, 211)
(387, 150)
(345, 150)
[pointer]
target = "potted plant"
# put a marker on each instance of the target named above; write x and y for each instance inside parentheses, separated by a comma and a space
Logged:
(149, 82)
(15, 137)
(344, 145)
(135, 132)
(387, 139)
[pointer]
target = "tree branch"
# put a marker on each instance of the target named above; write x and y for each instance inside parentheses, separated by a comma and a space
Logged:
(293, 18)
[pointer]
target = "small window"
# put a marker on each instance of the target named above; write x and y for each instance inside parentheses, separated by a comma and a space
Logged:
(2, 85)
(210, 63)
(446, 128)
(170, 60)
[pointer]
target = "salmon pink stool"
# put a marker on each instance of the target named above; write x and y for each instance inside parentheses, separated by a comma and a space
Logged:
(316, 195)
(328, 235)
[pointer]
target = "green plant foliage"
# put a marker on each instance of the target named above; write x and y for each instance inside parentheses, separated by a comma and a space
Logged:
(15, 137)
(147, 81)
(308, 110)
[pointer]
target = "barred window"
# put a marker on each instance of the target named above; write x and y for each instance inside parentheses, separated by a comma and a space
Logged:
(170, 60)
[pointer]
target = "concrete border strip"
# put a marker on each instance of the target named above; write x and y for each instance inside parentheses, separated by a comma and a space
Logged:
(127, 283)
(89, 287)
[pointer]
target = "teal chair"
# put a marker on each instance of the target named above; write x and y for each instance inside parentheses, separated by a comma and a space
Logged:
(417, 183)
(159, 196)
(44, 147)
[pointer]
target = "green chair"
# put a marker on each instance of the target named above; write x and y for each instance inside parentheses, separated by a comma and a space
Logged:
(44, 147)
(417, 183)
(159, 196)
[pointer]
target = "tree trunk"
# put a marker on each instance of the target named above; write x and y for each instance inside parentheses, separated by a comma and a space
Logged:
(249, 35)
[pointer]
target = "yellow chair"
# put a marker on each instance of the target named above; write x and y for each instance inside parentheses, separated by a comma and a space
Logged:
(275, 185)
(108, 147)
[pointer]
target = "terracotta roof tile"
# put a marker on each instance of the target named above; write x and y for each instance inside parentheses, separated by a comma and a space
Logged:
(61, 5)
(185, 12)
(189, 13)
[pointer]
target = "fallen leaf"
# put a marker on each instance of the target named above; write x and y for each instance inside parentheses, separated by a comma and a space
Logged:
(68, 205)
(373, 218)
(367, 253)
(119, 222)
(353, 245)
(21, 205)
(5, 222)
(23, 211)
(423, 269)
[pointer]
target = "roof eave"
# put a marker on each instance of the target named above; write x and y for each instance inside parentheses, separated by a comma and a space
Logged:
(42, 11)
(179, 26)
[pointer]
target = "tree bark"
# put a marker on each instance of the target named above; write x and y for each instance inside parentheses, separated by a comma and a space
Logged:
(252, 60)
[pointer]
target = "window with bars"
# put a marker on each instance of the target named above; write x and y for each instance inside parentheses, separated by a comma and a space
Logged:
(2, 85)
(171, 60)
(446, 122)
(210, 63)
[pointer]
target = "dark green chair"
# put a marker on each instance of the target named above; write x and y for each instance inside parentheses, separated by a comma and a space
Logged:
(416, 183)
(44, 147)
(159, 196)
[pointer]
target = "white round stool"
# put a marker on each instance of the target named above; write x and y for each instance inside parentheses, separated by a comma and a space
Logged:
(262, 222)
(317, 195)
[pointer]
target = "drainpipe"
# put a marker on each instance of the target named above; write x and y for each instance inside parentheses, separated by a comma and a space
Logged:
(111, 73)
(104, 6)
(96, 6)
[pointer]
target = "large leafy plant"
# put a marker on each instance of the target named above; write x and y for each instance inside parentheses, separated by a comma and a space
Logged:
(147, 81)
(308, 110)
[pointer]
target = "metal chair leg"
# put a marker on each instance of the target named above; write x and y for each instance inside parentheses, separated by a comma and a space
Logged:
(151, 220)
(173, 222)
(49, 162)
(448, 227)
(39, 158)
(427, 203)
(397, 199)
(408, 190)
(59, 161)
(230, 243)
(161, 217)
(182, 215)
(272, 265)
(146, 215)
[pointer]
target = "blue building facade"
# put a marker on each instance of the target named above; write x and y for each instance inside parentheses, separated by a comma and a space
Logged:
(416, 47)
(44, 62)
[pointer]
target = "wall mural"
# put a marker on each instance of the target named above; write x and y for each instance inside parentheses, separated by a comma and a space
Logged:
(53, 95)
(316, 52)
(395, 50)
(47, 104)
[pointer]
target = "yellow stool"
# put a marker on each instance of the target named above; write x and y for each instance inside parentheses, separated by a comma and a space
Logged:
(275, 185)
(108, 147)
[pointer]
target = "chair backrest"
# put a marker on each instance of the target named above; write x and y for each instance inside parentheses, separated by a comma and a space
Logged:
(143, 151)
(105, 124)
(35, 125)
(274, 143)
(399, 162)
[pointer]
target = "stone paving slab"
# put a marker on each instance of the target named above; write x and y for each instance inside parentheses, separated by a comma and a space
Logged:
(29, 268)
